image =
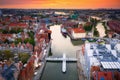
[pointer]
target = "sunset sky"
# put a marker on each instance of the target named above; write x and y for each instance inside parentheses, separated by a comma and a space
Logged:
(71, 4)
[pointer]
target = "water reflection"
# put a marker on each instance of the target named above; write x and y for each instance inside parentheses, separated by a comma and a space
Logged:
(53, 72)
(101, 29)
(60, 45)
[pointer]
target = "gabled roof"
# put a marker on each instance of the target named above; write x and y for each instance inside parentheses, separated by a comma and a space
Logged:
(78, 30)
(17, 25)
(12, 24)
(22, 25)
(7, 19)
(27, 18)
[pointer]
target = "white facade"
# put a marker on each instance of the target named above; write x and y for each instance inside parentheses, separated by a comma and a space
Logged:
(102, 56)
(89, 53)
(108, 46)
(91, 60)
(117, 47)
(96, 17)
(78, 35)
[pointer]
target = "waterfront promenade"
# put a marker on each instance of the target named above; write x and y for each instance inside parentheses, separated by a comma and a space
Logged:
(79, 66)
(43, 63)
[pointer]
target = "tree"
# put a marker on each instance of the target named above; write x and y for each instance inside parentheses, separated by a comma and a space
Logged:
(30, 40)
(94, 21)
(31, 34)
(96, 33)
(23, 57)
(4, 31)
(7, 54)
(19, 30)
(13, 31)
(88, 28)
(6, 41)
(18, 40)
(1, 55)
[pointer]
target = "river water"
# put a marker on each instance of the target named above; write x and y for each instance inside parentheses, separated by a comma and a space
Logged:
(101, 29)
(60, 45)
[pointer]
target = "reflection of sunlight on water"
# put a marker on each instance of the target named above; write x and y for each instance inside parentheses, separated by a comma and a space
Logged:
(61, 44)
(101, 30)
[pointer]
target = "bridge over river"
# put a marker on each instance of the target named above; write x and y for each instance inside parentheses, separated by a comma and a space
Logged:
(64, 59)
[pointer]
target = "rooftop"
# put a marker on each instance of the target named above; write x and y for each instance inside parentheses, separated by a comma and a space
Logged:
(78, 30)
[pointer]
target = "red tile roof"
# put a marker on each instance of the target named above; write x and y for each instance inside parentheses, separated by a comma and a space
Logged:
(114, 25)
(12, 24)
(95, 68)
(22, 25)
(18, 25)
(103, 76)
(6, 35)
(49, 31)
(78, 30)
(1, 27)
(88, 23)
(7, 19)
(27, 18)
(117, 75)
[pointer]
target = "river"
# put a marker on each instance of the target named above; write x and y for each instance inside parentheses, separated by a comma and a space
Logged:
(101, 29)
(61, 45)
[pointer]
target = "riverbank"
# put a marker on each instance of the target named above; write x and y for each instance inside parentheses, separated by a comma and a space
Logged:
(71, 37)
(41, 69)
(60, 45)
(79, 66)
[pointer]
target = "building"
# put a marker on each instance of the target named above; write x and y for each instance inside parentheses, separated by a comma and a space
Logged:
(0, 12)
(96, 17)
(102, 76)
(17, 26)
(102, 62)
(114, 26)
(78, 33)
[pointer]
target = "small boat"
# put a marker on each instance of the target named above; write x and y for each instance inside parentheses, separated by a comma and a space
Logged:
(64, 32)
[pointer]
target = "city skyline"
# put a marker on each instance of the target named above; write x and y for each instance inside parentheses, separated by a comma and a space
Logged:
(58, 4)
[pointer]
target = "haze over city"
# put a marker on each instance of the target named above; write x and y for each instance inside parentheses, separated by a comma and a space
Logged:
(57, 4)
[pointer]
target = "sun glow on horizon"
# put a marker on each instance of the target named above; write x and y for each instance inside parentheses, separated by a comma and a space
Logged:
(57, 4)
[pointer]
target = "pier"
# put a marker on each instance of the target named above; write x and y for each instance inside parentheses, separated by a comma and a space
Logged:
(63, 59)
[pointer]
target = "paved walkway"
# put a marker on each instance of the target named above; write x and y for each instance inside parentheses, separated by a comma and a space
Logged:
(79, 66)
(40, 70)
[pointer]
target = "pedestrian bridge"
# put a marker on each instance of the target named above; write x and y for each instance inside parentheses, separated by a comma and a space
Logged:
(64, 59)
(60, 59)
